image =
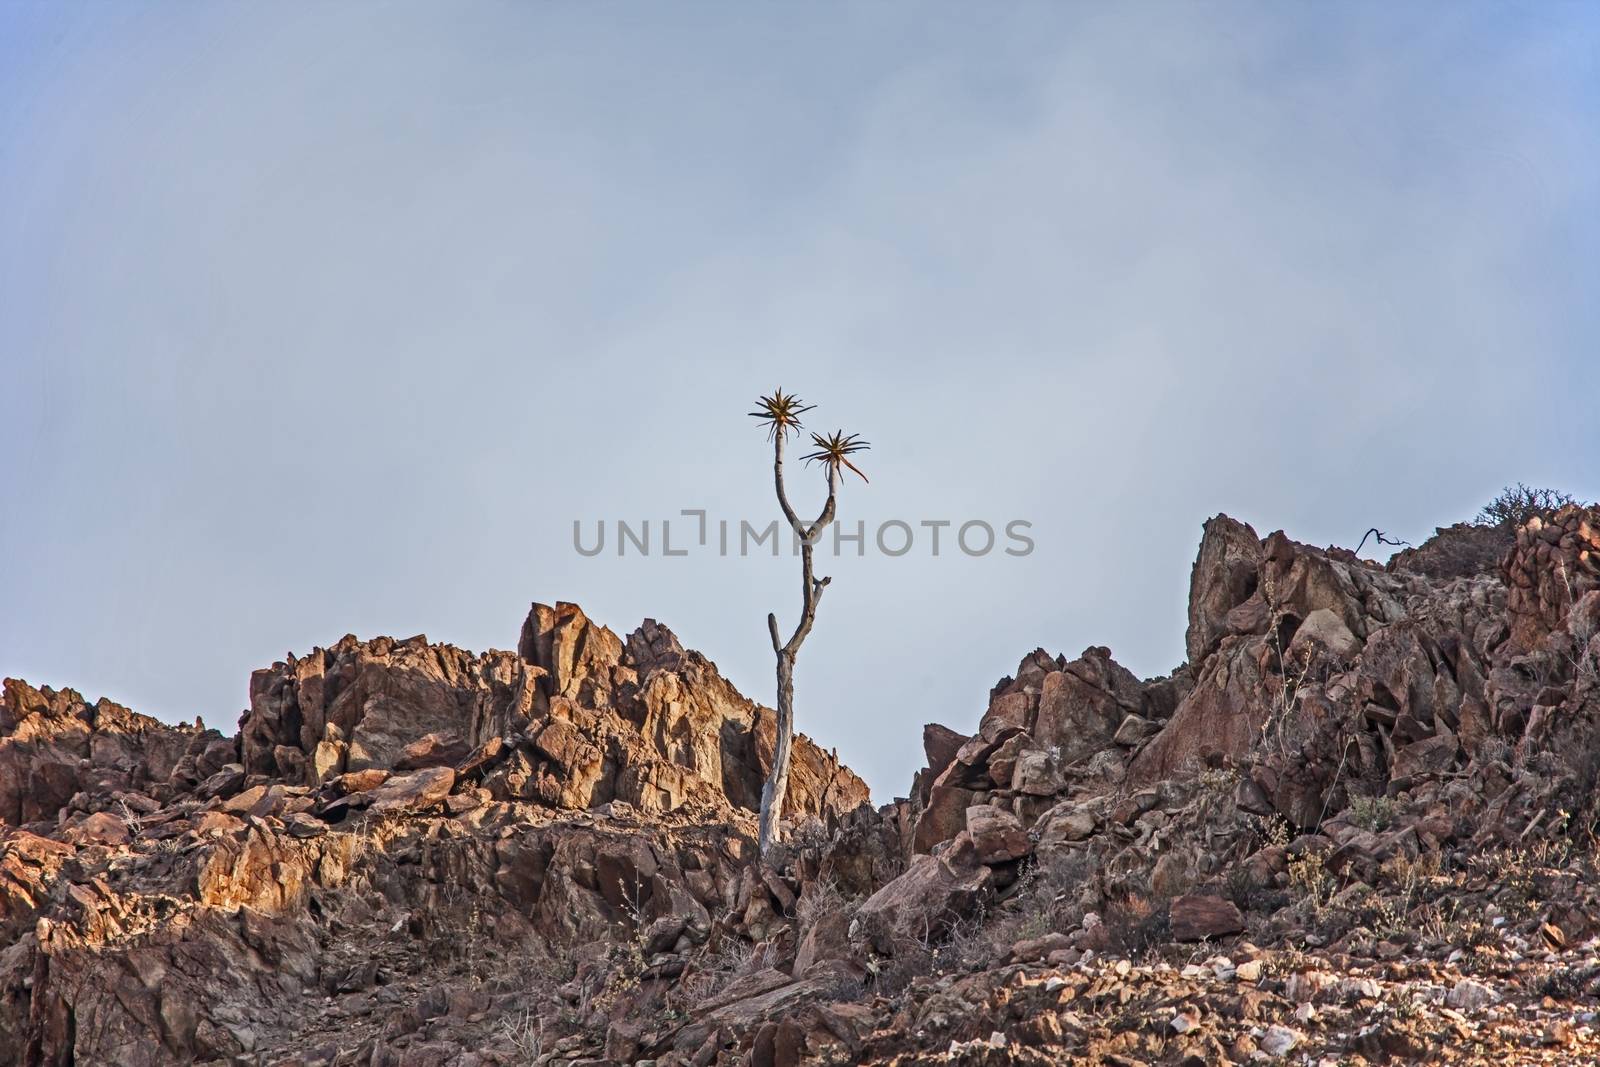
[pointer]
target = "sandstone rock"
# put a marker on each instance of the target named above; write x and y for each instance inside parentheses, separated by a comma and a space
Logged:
(1296, 581)
(997, 835)
(643, 721)
(1470, 996)
(827, 940)
(1082, 705)
(1033, 949)
(412, 792)
(373, 698)
(1280, 1040)
(55, 745)
(1002, 763)
(431, 750)
(1038, 773)
(101, 828)
(1134, 728)
(1222, 717)
(1172, 875)
(1323, 627)
(1200, 918)
(922, 902)
(945, 815)
(1066, 822)
(940, 744)
(1224, 576)
(1551, 566)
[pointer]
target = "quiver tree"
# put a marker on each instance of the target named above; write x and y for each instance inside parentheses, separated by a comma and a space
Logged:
(780, 413)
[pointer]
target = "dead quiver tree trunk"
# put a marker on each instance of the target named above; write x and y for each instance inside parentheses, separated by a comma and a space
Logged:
(781, 412)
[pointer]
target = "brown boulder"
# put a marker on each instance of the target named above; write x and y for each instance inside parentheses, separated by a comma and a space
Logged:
(416, 791)
(1202, 918)
(432, 750)
(940, 744)
(923, 902)
(1082, 705)
(1221, 717)
(997, 835)
(944, 816)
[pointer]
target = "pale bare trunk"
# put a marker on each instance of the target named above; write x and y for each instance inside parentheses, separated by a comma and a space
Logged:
(777, 784)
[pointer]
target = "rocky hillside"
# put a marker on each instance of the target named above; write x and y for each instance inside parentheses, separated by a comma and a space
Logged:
(1355, 826)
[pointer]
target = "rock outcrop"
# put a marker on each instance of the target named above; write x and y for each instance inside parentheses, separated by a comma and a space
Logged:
(169, 894)
(58, 753)
(1554, 562)
(573, 719)
(1351, 827)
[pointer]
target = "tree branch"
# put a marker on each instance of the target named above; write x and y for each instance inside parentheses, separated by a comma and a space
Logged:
(1383, 539)
(828, 508)
(777, 477)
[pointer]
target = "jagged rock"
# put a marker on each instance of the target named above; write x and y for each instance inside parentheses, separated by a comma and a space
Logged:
(1082, 705)
(1326, 629)
(1279, 1041)
(1134, 728)
(1032, 949)
(1464, 550)
(55, 746)
(429, 750)
(1470, 996)
(1038, 773)
(408, 847)
(1066, 822)
(827, 940)
(996, 835)
(1554, 562)
(1222, 717)
(580, 661)
(101, 828)
(1003, 761)
(643, 721)
(940, 744)
(411, 792)
(370, 699)
(944, 816)
(1224, 576)
(921, 903)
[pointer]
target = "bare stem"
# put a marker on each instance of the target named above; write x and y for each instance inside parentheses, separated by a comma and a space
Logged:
(811, 587)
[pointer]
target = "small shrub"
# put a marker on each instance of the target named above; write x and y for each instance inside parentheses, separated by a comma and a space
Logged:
(820, 898)
(523, 1031)
(1372, 813)
(891, 975)
(1045, 898)
(713, 967)
(1135, 925)
(1311, 883)
(1446, 922)
(1274, 830)
(1518, 503)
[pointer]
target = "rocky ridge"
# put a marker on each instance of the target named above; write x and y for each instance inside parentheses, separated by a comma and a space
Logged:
(1355, 826)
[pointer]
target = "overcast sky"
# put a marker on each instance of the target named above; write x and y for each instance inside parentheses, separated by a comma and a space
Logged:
(319, 318)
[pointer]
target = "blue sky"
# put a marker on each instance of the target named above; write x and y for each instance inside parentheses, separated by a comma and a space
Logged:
(319, 319)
